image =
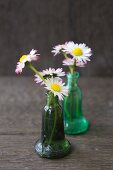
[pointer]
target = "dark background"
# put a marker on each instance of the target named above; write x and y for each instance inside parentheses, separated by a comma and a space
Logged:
(41, 24)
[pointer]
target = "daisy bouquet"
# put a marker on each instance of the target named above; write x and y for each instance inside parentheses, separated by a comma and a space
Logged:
(52, 143)
(76, 55)
(49, 78)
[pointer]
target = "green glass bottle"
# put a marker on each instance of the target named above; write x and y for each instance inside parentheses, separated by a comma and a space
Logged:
(74, 121)
(52, 143)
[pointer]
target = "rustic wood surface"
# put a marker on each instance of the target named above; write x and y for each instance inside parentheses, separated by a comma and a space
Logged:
(21, 104)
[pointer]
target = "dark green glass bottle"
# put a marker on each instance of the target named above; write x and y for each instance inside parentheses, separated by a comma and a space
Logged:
(52, 143)
(74, 121)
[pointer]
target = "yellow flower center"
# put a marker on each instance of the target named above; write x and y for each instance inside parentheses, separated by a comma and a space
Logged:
(77, 52)
(56, 87)
(22, 58)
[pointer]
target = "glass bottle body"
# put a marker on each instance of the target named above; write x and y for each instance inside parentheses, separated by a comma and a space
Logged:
(52, 143)
(74, 121)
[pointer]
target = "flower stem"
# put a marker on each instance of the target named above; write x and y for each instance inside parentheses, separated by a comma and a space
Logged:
(54, 125)
(72, 68)
(53, 129)
(28, 64)
(65, 55)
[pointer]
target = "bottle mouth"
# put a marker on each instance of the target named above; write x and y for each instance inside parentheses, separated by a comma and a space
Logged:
(74, 75)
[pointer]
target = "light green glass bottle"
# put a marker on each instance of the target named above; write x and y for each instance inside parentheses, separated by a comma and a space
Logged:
(74, 121)
(52, 143)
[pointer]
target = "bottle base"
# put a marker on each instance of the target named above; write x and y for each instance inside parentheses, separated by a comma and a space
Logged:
(58, 149)
(76, 126)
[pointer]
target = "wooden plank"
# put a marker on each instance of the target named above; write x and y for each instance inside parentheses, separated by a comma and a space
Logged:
(21, 104)
(89, 152)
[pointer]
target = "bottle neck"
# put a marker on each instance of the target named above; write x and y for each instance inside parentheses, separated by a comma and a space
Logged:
(51, 99)
(72, 79)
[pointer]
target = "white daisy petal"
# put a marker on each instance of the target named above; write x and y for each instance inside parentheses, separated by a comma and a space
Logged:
(57, 49)
(51, 71)
(19, 68)
(68, 62)
(32, 52)
(80, 64)
(38, 79)
(33, 56)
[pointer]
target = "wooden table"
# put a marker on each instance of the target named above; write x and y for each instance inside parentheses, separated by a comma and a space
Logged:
(21, 104)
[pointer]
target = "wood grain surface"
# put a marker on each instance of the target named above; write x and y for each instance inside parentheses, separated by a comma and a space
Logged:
(21, 104)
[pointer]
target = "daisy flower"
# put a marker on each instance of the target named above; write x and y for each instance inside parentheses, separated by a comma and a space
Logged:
(48, 73)
(32, 56)
(71, 62)
(56, 87)
(68, 62)
(55, 73)
(80, 52)
(57, 49)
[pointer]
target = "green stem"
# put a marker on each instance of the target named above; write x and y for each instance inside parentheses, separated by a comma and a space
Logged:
(74, 65)
(53, 130)
(65, 55)
(28, 64)
(72, 70)
(54, 125)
